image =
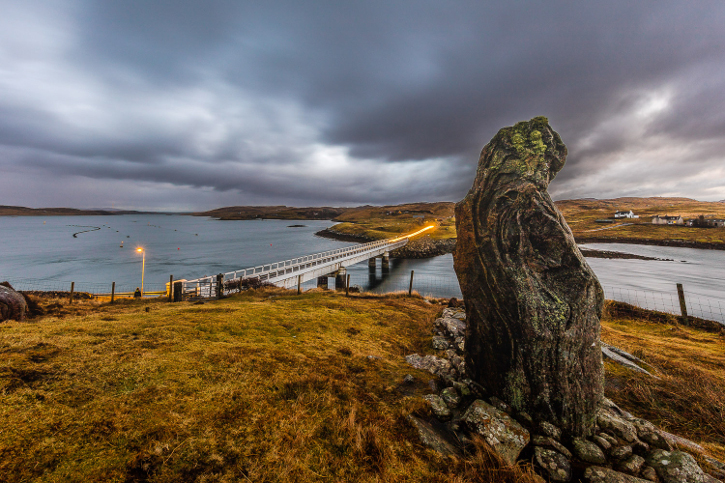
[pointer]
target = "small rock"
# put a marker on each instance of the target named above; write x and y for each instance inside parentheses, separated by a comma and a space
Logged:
(554, 464)
(640, 448)
(432, 438)
(550, 430)
(551, 443)
(643, 426)
(675, 467)
(611, 439)
(408, 379)
(506, 436)
(603, 443)
(631, 465)
(440, 343)
(435, 365)
(589, 452)
(462, 388)
(433, 385)
(649, 474)
(438, 406)
(675, 440)
(608, 421)
(656, 440)
(450, 397)
(597, 474)
(621, 453)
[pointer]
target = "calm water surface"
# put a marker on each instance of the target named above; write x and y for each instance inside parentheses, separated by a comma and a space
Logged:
(191, 247)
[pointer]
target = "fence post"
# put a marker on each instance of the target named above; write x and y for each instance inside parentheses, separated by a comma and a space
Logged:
(219, 285)
(171, 288)
(347, 285)
(113, 291)
(72, 288)
(683, 306)
(299, 284)
(410, 289)
(178, 288)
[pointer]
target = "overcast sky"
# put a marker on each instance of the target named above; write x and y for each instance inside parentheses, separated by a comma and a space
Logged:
(189, 105)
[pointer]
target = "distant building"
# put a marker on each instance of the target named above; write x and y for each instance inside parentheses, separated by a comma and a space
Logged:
(716, 222)
(625, 214)
(668, 220)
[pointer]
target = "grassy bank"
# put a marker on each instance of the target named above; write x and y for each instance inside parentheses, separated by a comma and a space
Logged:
(272, 386)
(259, 387)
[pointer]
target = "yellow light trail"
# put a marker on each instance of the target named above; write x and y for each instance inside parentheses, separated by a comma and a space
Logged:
(413, 234)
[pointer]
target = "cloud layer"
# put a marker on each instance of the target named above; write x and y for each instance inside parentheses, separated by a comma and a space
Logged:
(192, 105)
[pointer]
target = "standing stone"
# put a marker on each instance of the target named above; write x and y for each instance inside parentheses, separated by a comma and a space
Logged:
(532, 303)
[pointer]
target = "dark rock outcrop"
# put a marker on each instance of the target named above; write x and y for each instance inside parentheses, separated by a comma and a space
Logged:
(12, 303)
(425, 247)
(533, 304)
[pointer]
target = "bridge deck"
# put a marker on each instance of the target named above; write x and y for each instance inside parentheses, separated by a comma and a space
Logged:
(289, 273)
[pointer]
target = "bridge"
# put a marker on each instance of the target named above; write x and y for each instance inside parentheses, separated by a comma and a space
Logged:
(293, 272)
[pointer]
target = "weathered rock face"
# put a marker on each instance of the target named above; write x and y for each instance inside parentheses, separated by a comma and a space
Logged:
(12, 304)
(533, 304)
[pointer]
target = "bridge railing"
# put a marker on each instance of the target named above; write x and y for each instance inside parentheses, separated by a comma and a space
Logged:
(208, 286)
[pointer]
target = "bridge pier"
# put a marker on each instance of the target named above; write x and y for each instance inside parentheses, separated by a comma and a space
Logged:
(371, 264)
(340, 276)
(322, 282)
(386, 261)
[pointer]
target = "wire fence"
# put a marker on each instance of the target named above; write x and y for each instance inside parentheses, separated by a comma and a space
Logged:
(63, 288)
(697, 305)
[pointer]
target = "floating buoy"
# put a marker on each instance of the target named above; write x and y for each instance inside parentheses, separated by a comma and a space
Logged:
(44, 223)
(178, 248)
(121, 244)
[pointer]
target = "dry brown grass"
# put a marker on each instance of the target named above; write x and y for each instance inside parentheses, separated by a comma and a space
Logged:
(581, 215)
(265, 386)
(688, 399)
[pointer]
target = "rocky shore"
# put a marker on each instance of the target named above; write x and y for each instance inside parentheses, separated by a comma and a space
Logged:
(424, 247)
(591, 253)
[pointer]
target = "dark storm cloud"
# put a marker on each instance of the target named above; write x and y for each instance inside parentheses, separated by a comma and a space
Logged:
(373, 102)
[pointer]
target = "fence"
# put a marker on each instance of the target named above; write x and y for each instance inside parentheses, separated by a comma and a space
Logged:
(63, 288)
(698, 305)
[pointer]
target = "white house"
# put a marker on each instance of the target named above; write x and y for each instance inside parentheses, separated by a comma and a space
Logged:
(668, 220)
(625, 214)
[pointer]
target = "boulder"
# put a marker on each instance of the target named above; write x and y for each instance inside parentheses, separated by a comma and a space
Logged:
(533, 304)
(433, 437)
(506, 436)
(450, 397)
(597, 474)
(12, 304)
(676, 467)
(438, 406)
(632, 465)
(551, 443)
(436, 366)
(588, 452)
(554, 464)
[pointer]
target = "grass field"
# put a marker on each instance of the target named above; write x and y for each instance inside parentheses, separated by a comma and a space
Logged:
(270, 386)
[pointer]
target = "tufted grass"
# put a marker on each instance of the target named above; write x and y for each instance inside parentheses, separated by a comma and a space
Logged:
(265, 387)
(689, 398)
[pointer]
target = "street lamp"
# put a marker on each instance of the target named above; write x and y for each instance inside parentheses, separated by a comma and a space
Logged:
(143, 265)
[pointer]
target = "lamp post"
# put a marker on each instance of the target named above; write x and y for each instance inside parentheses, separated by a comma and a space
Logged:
(143, 265)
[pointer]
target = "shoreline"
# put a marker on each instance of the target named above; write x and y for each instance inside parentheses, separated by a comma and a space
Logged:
(448, 246)
(661, 243)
